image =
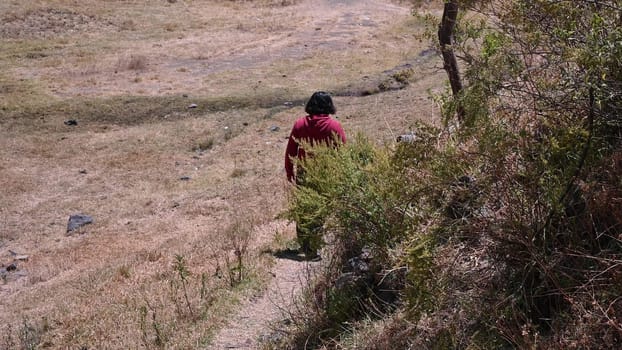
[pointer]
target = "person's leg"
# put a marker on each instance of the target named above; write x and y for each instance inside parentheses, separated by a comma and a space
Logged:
(302, 239)
(308, 242)
(307, 233)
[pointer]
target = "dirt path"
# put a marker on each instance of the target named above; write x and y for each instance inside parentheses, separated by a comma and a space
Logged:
(257, 316)
(333, 25)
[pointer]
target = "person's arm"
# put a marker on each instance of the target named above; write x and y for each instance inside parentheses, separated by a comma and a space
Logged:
(290, 152)
(338, 130)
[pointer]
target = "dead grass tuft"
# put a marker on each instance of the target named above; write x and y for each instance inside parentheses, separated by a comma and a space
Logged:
(134, 62)
(204, 145)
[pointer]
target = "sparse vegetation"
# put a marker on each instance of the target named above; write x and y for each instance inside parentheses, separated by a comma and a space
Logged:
(182, 272)
(135, 62)
(237, 172)
(23, 336)
(150, 325)
(161, 268)
(235, 250)
(204, 145)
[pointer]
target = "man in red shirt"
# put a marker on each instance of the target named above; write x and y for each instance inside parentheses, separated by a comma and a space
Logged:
(316, 127)
(313, 128)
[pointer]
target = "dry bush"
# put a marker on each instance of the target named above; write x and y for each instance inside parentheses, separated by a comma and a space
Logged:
(134, 62)
(538, 142)
(238, 238)
(393, 331)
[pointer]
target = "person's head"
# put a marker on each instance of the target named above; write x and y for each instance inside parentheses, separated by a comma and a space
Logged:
(320, 103)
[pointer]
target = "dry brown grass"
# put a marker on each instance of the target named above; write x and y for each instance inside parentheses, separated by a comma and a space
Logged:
(119, 75)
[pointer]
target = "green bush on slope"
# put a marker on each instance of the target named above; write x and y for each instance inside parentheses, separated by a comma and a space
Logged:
(510, 225)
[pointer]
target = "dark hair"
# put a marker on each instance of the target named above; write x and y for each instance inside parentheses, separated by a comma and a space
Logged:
(320, 103)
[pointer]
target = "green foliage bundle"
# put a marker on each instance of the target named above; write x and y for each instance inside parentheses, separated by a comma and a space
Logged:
(542, 101)
(366, 200)
(509, 223)
(345, 188)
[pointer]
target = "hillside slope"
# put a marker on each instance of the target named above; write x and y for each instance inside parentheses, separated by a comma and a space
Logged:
(181, 114)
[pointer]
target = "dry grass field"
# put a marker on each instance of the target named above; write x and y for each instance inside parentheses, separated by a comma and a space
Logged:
(177, 194)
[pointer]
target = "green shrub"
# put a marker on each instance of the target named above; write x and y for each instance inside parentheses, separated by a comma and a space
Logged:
(542, 101)
(507, 222)
(367, 200)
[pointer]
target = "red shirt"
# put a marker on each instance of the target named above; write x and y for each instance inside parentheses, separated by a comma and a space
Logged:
(312, 129)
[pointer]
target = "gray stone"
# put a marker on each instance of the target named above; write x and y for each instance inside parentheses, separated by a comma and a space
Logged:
(407, 138)
(78, 220)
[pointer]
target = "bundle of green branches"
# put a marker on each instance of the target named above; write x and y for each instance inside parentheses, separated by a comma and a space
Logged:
(542, 133)
(510, 221)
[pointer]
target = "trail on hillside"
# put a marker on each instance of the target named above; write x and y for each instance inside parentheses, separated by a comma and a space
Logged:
(258, 316)
(173, 183)
(333, 25)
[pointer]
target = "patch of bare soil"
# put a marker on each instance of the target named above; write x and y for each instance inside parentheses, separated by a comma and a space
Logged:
(185, 62)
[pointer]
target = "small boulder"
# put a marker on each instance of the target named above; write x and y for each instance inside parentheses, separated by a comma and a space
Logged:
(407, 138)
(78, 220)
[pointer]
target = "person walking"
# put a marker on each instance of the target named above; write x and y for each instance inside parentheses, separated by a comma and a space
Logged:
(314, 128)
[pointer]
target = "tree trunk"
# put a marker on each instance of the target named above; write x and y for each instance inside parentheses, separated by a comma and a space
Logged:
(445, 36)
